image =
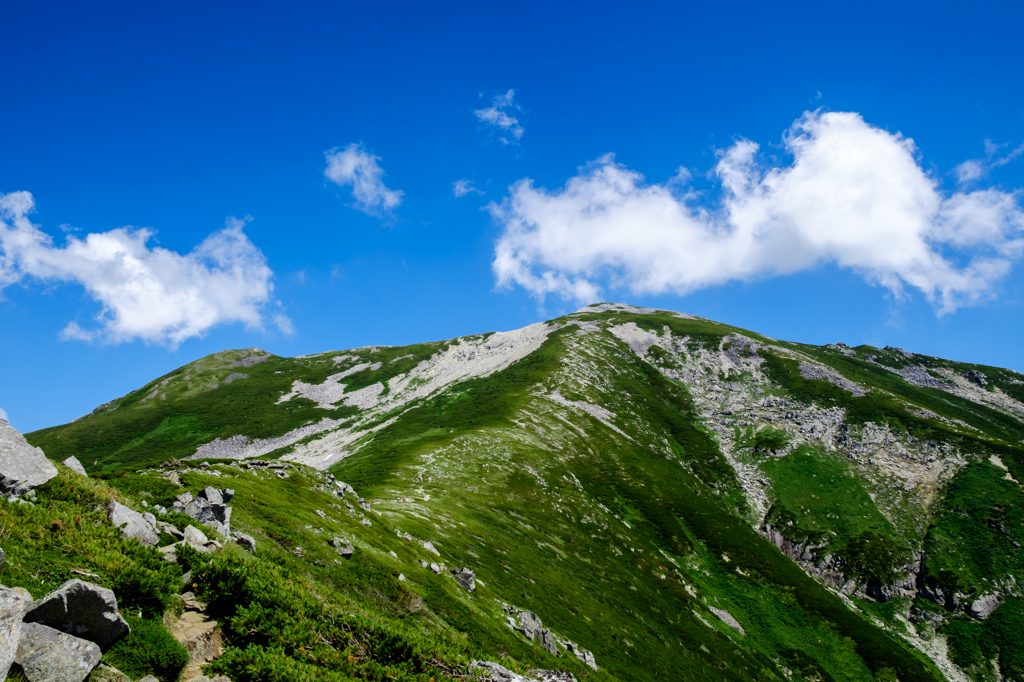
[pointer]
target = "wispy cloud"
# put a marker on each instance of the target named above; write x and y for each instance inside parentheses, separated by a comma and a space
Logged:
(463, 187)
(497, 115)
(975, 169)
(854, 196)
(147, 293)
(356, 168)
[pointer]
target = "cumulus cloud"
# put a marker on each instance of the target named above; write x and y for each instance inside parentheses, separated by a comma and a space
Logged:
(974, 169)
(497, 116)
(463, 187)
(147, 293)
(854, 196)
(356, 168)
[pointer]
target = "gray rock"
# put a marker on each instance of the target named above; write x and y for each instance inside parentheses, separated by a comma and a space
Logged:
(552, 675)
(170, 529)
(22, 467)
(579, 652)
(728, 619)
(429, 546)
(487, 670)
(150, 678)
(530, 625)
(366, 522)
(364, 504)
(76, 466)
(82, 609)
(196, 538)
(343, 546)
(211, 495)
(547, 640)
(466, 578)
(983, 607)
(246, 542)
(975, 376)
(106, 673)
(13, 604)
(3, 559)
(49, 655)
(133, 524)
(344, 488)
(228, 494)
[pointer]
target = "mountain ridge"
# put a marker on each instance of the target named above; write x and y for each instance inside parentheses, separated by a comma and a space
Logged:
(781, 497)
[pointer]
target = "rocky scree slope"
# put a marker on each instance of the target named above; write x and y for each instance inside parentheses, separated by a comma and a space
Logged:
(671, 498)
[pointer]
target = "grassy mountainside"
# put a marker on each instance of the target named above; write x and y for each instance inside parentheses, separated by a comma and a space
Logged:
(686, 499)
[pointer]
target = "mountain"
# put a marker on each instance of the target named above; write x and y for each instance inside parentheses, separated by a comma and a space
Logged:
(640, 495)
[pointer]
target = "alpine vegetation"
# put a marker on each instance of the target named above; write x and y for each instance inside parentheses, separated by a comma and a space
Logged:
(621, 493)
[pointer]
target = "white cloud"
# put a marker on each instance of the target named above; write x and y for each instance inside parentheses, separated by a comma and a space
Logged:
(497, 115)
(356, 168)
(151, 294)
(974, 169)
(854, 196)
(463, 187)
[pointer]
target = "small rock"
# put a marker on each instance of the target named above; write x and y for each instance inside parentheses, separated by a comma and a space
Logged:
(435, 568)
(106, 673)
(22, 467)
(13, 603)
(83, 609)
(429, 546)
(466, 578)
(343, 546)
(246, 542)
(49, 655)
(401, 577)
(170, 529)
(150, 678)
(228, 493)
(366, 522)
(76, 466)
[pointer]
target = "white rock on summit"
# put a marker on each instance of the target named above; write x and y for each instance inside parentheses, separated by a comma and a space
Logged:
(22, 467)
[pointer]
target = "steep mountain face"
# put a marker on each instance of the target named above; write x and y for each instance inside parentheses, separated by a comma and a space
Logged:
(669, 498)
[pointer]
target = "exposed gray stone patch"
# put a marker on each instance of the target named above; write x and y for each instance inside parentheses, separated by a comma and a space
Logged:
(809, 371)
(243, 447)
(49, 655)
(255, 356)
(22, 467)
(82, 609)
(727, 618)
(919, 376)
(76, 466)
(626, 308)
(232, 377)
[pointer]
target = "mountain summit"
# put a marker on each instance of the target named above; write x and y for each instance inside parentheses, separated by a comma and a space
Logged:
(617, 494)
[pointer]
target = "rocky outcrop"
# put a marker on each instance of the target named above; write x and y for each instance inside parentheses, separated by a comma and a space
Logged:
(83, 609)
(209, 507)
(982, 607)
(13, 603)
(76, 466)
(46, 654)
(142, 527)
(199, 635)
(246, 542)
(22, 467)
(343, 547)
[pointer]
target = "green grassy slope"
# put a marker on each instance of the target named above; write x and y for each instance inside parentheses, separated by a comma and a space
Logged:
(595, 482)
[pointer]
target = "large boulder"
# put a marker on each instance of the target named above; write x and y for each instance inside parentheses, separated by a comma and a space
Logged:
(49, 655)
(83, 609)
(13, 603)
(133, 524)
(76, 466)
(22, 467)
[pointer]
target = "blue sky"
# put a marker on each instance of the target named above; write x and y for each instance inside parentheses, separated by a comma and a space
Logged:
(212, 175)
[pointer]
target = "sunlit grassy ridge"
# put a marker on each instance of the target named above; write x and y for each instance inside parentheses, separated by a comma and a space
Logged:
(583, 483)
